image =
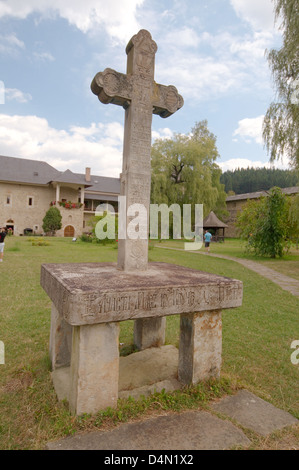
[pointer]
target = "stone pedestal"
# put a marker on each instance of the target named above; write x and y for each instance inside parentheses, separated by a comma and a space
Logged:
(60, 340)
(94, 368)
(89, 300)
(200, 346)
(149, 332)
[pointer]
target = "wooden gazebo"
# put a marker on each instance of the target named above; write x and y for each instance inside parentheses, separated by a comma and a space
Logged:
(216, 226)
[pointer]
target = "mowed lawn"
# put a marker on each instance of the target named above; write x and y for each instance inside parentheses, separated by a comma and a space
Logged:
(257, 337)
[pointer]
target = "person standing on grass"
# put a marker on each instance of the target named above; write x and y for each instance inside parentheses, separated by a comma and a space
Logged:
(2, 236)
(207, 237)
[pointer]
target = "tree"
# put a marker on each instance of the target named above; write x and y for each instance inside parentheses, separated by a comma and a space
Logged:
(257, 179)
(52, 221)
(294, 218)
(104, 228)
(265, 224)
(184, 171)
(281, 122)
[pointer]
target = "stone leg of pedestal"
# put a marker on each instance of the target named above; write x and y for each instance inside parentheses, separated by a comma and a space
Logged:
(60, 340)
(94, 368)
(149, 332)
(200, 347)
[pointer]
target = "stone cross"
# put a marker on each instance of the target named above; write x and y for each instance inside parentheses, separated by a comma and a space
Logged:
(140, 96)
(89, 300)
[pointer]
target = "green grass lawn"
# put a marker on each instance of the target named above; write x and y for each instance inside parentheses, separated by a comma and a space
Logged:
(257, 341)
(288, 265)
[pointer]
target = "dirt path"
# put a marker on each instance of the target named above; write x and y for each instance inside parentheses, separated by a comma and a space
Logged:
(285, 282)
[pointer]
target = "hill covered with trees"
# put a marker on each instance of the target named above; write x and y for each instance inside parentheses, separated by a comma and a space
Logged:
(248, 180)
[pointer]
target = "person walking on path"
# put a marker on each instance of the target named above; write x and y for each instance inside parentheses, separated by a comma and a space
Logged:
(207, 237)
(2, 236)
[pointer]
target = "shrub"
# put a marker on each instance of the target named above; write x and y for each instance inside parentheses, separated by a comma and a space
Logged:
(265, 224)
(52, 221)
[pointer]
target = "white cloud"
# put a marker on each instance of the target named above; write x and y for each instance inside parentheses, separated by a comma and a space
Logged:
(250, 130)
(10, 43)
(258, 13)
(188, 37)
(235, 163)
(44, 56)
(118, 17)
(210, 77)
(98, 146)
(13, 94)
(222, 64)
(164, 133)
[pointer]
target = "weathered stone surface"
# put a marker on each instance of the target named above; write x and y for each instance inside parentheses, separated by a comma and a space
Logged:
(94, 368)
(191, 430)
(140, 373)
(60, 340)
(148, 367)
(254, 413)
(149, 332)
(141, 96)
(200, 346)
(94, 297)
(98, 292)
(168, 385)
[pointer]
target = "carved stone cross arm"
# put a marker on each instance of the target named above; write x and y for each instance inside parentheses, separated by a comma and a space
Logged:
(117, 88)
(166, 100)
(112, 87)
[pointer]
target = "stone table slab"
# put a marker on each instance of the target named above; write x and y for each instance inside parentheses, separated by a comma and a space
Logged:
(90, 293)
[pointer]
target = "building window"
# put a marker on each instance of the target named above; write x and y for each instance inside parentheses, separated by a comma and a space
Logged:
(8, 200)
(30, 201)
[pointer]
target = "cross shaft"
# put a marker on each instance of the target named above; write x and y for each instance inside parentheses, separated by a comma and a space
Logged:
(140, 96)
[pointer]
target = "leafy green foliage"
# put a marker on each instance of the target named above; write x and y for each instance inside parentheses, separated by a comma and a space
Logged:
(248, 180)
(294, 218)
(52, 221)
(265, 224)
(184, 171)
(281, 122)
(104, 229)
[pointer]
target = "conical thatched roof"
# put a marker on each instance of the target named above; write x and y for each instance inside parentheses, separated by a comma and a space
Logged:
(212, 221)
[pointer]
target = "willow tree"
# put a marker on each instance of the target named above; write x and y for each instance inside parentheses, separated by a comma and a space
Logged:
(281, 122)
(184, 171)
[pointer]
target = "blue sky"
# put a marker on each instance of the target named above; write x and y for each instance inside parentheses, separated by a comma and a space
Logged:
(213, 51)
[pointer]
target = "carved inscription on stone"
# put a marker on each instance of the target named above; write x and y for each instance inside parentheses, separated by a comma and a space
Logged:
(157, 302)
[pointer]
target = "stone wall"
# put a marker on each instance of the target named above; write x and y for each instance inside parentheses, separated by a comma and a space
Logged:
(26, 206)
(234, 208)
(72, 217)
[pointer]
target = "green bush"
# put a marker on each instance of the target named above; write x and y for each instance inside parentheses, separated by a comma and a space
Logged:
(264, 224)
(52, 221)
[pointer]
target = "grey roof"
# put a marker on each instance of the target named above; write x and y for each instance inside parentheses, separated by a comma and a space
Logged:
(212, 221)
(103, 184)
(21, 170)
(69, 177)
(257, 194)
